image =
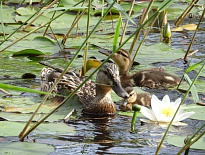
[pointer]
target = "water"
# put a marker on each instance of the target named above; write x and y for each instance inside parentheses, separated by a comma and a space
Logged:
(113, 136)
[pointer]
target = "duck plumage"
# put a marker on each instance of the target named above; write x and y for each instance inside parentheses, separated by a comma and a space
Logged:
(94, 96)
(151, 78)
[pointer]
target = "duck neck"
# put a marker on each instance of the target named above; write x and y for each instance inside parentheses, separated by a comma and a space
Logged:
(124, 72)
(103, 92)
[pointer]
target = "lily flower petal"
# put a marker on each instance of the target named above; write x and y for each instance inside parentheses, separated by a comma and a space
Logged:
(176, 103)
(166, 99)
(156, 105)
(148, 113)
(183, 116)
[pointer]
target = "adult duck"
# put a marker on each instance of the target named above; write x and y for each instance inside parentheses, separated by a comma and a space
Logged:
(95, 97)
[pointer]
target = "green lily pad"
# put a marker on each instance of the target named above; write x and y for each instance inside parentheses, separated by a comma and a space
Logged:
(7, 14)
(159, 52)
(28, 52)
(26, 11)
(25, 105)
(24, 148)
(7, 128)
(179, 142)
(199, 111)
(21, 109)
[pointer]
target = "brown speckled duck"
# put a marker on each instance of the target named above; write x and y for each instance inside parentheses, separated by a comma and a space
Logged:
(95, 97)
(151, 78)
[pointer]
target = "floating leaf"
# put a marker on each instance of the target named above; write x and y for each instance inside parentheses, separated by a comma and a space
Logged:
(92, 63)
(120, 9)
(26, 148)
(179, 142)
(199, 111)
(26, 10)
(189, 27)
(7, 128)
(28, 52)
(44, 40)
(21, 109)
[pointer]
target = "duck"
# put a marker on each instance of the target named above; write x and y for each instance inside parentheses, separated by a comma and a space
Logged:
(95, 96)
(154, 78)
(142, 99)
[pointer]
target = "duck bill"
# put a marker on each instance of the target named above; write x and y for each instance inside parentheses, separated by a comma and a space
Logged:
(124, 102)
(105, 51)
(117, 88)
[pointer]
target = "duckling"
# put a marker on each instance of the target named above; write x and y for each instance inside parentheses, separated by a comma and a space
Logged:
(143, 99)
(151, 78)
(95, 97)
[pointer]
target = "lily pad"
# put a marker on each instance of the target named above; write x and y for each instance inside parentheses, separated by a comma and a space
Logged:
(179, 142)
(25, 105)
(28, 52)
(25, 148)
(199, 111)
(148, 54)
(189, 27)
(7, 128)
(21, 109)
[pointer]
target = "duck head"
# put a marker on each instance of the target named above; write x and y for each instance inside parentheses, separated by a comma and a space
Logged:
(121, 58)
(108, 79)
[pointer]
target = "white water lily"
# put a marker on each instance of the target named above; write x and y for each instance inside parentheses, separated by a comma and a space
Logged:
(163, 111)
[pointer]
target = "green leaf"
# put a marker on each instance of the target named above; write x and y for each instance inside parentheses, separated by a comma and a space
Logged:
(129, 113)
(24, 148)
(179, 142)
(28, 52)
(199, 111)
(122, 11)
(26, 11)
(194, 91)
(20, 109)
(44, 40)
(117, 32)
(193, 67)
(11, 87)
(7, 128)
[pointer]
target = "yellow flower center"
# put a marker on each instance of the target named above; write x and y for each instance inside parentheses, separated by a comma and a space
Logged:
(168, 111)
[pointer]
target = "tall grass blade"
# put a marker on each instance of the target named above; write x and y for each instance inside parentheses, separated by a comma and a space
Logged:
(121, 10)
(2, 21)
(193, 89)
(116, 36)
(194, 66)
(16, 88)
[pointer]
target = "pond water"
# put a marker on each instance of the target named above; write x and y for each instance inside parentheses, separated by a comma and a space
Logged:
(112, 135)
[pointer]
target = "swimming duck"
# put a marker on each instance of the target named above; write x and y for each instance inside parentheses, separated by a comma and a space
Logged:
(151, 78)
(95, 97)
(143, 99)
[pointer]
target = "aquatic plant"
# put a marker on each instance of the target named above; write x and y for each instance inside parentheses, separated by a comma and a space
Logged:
(164, 110)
